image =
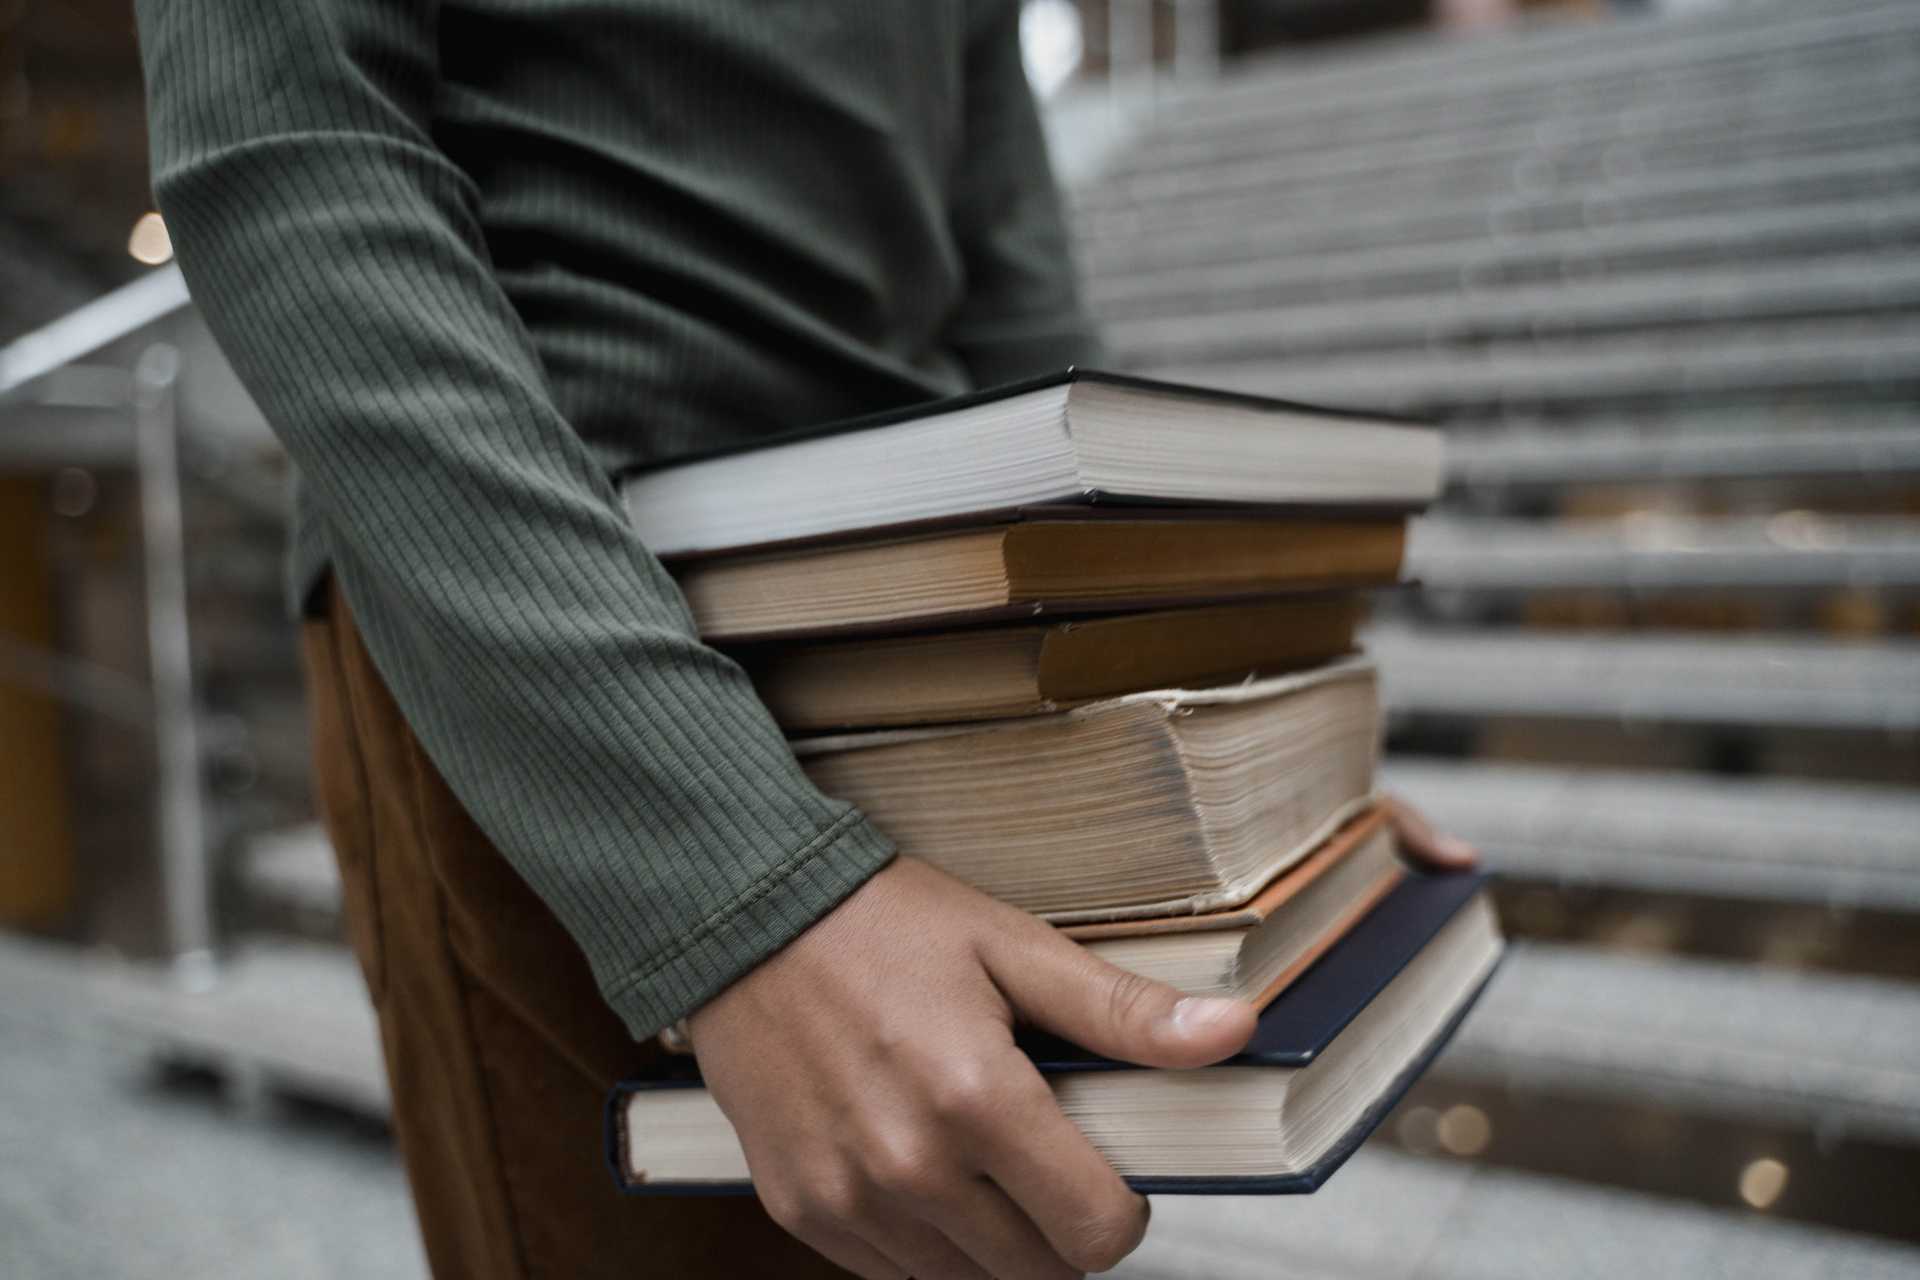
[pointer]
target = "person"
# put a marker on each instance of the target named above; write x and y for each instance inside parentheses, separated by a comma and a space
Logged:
(472, 258)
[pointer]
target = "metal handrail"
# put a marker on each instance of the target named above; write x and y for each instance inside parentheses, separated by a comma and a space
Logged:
(89, 327)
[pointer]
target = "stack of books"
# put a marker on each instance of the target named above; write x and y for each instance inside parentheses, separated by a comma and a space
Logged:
(1088, 644)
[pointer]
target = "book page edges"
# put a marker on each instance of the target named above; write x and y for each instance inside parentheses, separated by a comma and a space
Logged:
(1233, 895)
(1340, 928)
(1170, 701)
(1282, 889)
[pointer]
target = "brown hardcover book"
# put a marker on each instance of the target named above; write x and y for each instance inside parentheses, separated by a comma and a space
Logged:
(998, 672)
(1253, 952)
(1164, 803)
(1032, 567)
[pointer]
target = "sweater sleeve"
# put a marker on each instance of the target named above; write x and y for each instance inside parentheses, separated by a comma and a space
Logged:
(1022, 315)
(545, 661)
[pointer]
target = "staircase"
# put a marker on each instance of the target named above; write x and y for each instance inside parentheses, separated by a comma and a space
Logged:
(1656, 280)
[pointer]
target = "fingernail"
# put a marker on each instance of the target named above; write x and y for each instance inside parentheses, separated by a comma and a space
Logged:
(1196, 1014)
(1454, 849)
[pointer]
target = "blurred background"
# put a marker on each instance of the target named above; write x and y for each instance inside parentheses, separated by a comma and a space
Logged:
(1653, 268)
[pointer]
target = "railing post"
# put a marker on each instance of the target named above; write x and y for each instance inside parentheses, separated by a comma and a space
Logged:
(1129, 50)
(1196, 40)
(185, 874)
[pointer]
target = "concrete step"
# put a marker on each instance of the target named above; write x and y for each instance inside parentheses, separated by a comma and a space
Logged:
(1881, 281)
(1483, 258)
(1522, 156)
(1645, 554)
(1842, 357)
(1864, 443)
(1750, 681)
(1391, 1216)
(1121, 244)
(292, 870)
(1625, 100)
(1830, 1053)
(1758, 839)
(275, 1014)
(1417, 74)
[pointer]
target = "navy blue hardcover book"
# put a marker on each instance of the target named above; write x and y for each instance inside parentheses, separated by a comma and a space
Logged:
(1301, 1024)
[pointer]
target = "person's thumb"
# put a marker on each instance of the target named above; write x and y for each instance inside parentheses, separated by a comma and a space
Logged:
(1059, 986)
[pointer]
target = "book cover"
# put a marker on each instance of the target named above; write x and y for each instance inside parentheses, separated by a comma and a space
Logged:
(1064, 377)
(1079, 437)
(1295, 1029)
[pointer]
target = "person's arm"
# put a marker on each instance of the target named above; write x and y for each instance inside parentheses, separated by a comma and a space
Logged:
(545, 661)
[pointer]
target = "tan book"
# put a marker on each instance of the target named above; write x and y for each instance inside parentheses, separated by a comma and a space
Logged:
(997, 672)
(1033, 567)
(1163, 803)
(1253, 952)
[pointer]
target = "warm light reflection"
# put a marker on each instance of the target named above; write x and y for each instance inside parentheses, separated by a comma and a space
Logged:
(1417, 1128)
(150, 242)
(1464, 1130)
(1762, 1181)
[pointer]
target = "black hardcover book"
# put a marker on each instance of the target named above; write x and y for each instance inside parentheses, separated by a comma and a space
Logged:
(1332, 1055)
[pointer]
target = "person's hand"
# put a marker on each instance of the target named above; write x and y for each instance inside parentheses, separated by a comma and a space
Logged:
(888, 1120)
(1420, 843)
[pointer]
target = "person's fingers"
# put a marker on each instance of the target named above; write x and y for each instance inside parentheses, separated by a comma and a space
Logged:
(1060, 986)
(980, 1219)
(868, 1223)
(853, 1254)
(922, 1249)
(1054, 1177)
(817, 1209)
(1419, 842)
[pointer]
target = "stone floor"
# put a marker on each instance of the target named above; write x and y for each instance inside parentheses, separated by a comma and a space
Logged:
(111, 1170)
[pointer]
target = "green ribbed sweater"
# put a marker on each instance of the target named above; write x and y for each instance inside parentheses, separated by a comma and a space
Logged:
(472, 258)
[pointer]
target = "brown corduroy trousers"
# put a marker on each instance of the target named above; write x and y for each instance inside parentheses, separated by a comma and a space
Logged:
(498, 1046)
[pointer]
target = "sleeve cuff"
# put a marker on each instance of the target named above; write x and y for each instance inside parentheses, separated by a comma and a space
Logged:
(769, 914)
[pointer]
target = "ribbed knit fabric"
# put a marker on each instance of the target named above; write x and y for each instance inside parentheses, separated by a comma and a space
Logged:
(472, 258)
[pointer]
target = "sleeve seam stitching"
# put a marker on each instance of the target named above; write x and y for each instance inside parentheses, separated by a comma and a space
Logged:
(767, 882)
